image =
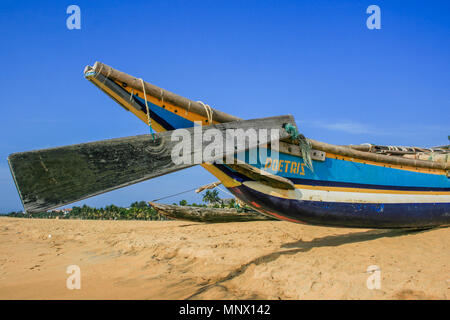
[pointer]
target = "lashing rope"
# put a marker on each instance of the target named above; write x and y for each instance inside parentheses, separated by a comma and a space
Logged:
(173, 195)
(178, 193)
(107, 75)
(149, 119)
(304, 144)
(99, 71)
(208, 111)
(131, 95)
(188, 109)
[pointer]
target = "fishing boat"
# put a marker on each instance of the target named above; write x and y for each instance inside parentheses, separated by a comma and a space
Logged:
(207, 214)
(309, 181)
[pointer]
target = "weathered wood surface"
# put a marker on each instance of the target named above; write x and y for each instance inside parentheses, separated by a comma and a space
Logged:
(211, 185)
(202, 214)
(51, 178)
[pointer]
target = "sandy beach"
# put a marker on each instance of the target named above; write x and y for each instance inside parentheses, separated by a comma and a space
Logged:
(250, 260)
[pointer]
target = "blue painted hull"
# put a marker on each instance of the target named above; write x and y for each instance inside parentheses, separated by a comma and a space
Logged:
(341, 214)
(339, 192)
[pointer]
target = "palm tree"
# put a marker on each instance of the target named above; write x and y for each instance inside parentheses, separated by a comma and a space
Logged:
(211, 197)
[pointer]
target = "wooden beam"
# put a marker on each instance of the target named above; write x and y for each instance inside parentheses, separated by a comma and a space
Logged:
(349, 152)
(51, 178)
(211, 185)
(262, 176)
(158, 93)
(358, 152)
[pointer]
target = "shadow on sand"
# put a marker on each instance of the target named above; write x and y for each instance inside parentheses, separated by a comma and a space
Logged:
(337, 240)
(304, 246)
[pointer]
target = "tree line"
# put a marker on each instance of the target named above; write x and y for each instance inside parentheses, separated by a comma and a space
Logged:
(138, 210)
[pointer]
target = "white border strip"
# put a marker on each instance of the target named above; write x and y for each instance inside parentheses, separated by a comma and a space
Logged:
(343, 196)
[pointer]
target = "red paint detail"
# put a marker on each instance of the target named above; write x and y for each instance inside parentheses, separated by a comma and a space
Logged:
(258, 207)
(255, 204)
(283, 218)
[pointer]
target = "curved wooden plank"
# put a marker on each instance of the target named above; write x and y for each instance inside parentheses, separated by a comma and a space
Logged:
(51, 178)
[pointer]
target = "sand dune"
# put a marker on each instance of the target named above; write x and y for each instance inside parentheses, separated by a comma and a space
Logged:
(250, 260)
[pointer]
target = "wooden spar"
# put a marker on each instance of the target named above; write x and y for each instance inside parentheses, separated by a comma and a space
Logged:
(202, 214)
(160, 93)
(359, 147)
(51, 178)
(394, 149)
(211, 185)
(218, 116)
(262, 176)
(349, 152)
(293, 149)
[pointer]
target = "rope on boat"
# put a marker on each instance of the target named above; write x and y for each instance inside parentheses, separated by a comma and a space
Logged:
(173, 195)
(225, 191)
(162, 97)
(304, 144)
(189, 108)
(186, 191)
(149, 119)
(131, 95)
(208, 111)
(99, 71)
(107, 75)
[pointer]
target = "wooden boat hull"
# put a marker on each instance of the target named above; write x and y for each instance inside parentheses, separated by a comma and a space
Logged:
(207, 214)
(347, 214)
(342, 191)
(319, 206)
(349, 192)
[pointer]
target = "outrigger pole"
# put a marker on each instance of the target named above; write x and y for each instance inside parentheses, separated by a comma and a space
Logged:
(50, 178)
(127, 80)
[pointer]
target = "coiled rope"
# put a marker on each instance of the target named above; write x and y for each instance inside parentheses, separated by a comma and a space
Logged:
(208, 111)
(304, 144)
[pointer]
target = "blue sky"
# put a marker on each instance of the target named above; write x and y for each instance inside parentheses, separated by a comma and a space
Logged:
(316, 60)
